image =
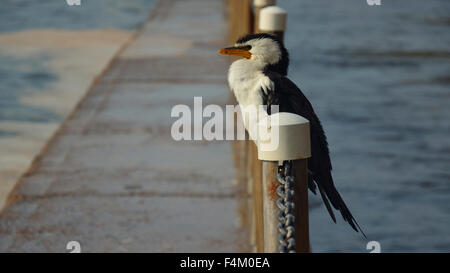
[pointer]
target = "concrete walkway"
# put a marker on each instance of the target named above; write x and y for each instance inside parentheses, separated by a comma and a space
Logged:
(112, 178)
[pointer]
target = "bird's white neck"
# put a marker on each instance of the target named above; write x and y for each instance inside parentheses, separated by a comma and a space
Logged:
(247, 80)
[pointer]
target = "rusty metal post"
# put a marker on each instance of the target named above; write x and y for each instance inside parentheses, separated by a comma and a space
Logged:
(290, 133)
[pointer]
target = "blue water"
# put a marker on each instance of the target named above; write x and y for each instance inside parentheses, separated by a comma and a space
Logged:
(379, 79)
(20, 76)
(18, 15)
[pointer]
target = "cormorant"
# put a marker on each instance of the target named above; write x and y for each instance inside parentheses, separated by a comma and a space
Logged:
(259, 78)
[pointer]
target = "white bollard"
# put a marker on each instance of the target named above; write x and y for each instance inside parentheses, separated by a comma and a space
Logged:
(283, 136)
(273, 20)
(258, 5)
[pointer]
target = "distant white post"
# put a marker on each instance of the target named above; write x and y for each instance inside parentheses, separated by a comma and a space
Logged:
(258, 5)
(273, 20)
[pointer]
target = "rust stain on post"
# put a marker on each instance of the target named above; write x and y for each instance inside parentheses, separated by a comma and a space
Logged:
(272, 190)
(270, 185)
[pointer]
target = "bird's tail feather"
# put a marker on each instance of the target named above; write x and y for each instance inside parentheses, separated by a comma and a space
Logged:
(340, 205)
(327, 204)
(330, 193)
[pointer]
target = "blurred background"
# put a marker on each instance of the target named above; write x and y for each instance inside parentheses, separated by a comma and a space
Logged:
(378, 77)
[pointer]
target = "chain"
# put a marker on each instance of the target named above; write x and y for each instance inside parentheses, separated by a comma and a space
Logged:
(285, 204)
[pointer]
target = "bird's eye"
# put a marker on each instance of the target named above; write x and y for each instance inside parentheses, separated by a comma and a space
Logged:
(246, 47)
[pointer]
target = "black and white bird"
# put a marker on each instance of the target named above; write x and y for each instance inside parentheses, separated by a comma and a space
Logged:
(259, 78)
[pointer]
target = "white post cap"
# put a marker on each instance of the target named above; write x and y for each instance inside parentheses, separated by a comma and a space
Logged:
(283, 136)
(272, 18)
(264, 3)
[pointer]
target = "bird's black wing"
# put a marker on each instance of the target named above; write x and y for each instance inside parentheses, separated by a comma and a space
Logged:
(291, 99)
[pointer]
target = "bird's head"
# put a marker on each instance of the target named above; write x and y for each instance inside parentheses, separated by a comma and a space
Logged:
(265, 50)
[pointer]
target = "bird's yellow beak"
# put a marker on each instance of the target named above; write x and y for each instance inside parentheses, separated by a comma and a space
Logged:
(237, 51)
